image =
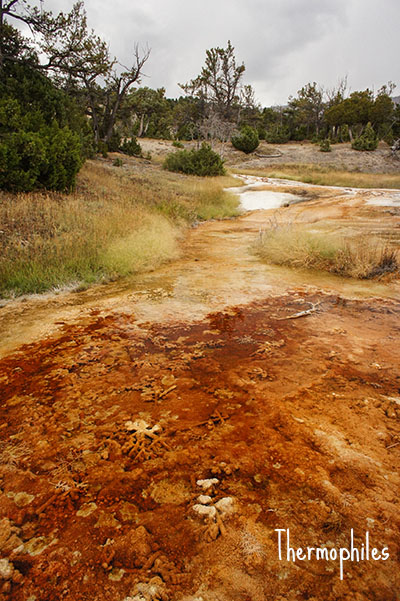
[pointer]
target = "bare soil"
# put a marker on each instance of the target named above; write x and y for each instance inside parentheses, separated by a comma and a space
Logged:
(342, 156)
(281, 389)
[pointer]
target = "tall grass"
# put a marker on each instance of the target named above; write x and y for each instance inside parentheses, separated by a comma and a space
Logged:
(116, 223)
(295, 246)
(322, 175)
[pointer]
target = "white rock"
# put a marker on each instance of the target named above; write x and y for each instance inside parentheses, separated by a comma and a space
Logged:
(225, 505)
(206, 484)
(204, 499)
(205, 511)
(6, 569)
(139, 425)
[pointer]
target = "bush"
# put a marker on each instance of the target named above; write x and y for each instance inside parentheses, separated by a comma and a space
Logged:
(195, 162)
(277, 134)
(367, 141)
(247, 140)
(114, 144)
(102, 148)
(43, 136)
(177, 144)
(49, 158)
(345, 133)
(325, 145)
(131, 147)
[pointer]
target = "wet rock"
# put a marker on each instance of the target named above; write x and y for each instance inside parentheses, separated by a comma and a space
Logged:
(22, 499)
(9, 539)
(167, 491)
(107, 520)
(116, 574)
(128, 512)
(36, 546)
(6, 569)
(134, 548)
(154, 590)
(86, 510)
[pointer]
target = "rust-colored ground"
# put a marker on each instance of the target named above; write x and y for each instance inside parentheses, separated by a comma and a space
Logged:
(296, 418)
(284, 387)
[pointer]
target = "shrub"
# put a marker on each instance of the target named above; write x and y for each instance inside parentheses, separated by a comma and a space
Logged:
(247, 140)
(277, 134)
(102, 148)
(118, 162)
(325, 145)
(43, 136)
(114, 143)
(367, 140)
(49, 158)
(344, 133)
(177, 144)
(131, 147)
(195, 162)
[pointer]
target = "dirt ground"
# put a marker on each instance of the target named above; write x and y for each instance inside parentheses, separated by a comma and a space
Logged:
(341, 157)
(156, 434)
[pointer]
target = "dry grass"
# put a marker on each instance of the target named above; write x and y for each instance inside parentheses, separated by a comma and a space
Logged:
(321, 175)
(116, 223)
(295, 246)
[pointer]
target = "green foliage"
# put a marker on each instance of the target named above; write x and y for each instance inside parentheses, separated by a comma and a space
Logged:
(131, 147)
(325, 145)
(219, 80)
(195, 162)
(102, 148)
(188, 131)
(49, 158)
(43, 136)
(345, 133)
(118, 162)
(247, 140)
(114, 143)
(177, 144)
(146, 112)
(277, 134)
(307, 111)
(367, 140)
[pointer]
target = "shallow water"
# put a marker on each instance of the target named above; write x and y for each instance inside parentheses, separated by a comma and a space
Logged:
(253, 199)
(265, 199)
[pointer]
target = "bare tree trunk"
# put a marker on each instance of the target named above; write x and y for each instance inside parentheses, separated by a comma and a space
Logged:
(95, 119)
(113, 114)
(141, 126)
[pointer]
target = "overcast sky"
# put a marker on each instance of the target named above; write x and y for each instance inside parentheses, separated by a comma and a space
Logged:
(284, 44)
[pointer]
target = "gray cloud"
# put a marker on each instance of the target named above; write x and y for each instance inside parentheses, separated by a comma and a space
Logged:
(284, 44)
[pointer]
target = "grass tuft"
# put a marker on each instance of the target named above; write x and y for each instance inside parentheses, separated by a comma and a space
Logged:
(295, 246)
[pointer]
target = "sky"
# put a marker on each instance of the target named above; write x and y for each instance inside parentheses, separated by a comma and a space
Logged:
(284, 44)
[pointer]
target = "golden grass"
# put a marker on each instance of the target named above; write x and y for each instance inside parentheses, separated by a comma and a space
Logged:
(118, 221)
(322, 175)
(295, 246)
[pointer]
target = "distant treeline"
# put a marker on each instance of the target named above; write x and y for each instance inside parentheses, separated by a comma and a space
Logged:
(63, 97)
(312, 115)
